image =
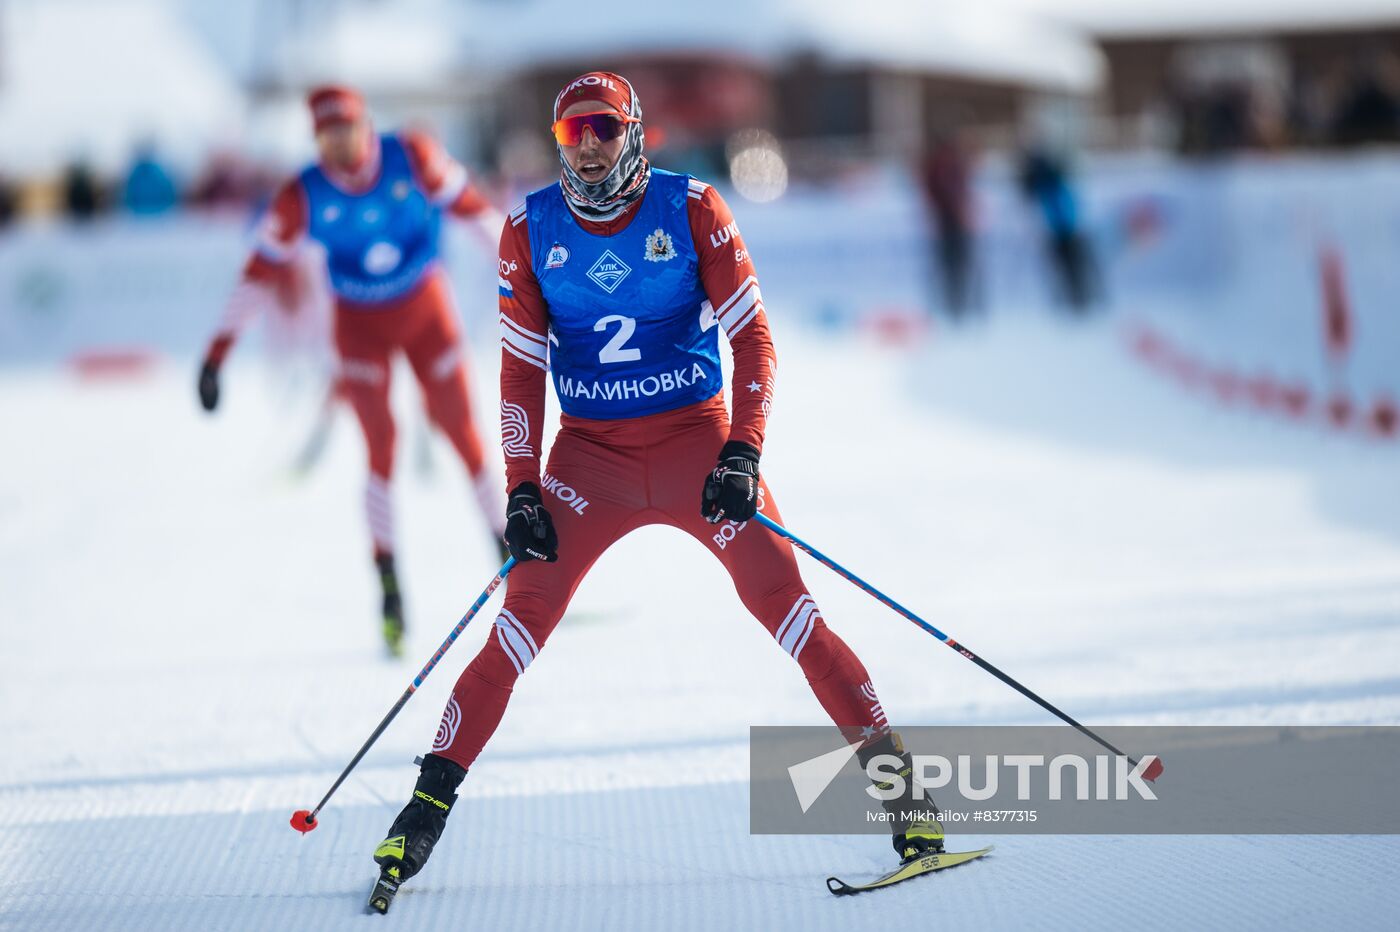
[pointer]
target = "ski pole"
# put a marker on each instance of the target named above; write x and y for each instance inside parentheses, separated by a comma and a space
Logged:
(303, 820)
(1153, 770)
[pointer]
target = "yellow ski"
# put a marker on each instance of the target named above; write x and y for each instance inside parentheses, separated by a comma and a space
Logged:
(915, 868)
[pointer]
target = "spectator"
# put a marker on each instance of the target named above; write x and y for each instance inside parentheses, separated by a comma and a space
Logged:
(1045, 181)
(228, 182)
(946, 181)
(1369, 110)
(149, 189)
(82, 197)
(9, 202)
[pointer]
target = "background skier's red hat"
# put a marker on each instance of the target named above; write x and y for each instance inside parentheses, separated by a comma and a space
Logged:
(335, 103)
(611, 90)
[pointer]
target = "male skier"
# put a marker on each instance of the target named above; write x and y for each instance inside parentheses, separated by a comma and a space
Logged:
(375, 203)
(617, 280)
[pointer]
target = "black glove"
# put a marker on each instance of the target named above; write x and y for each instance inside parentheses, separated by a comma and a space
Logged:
(731, 488)
(209, 386)
(529, 528)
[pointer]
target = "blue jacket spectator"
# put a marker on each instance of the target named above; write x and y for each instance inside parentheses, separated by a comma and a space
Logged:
(149, 188)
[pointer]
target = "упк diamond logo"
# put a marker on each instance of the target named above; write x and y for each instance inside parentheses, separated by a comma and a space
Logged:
(609, 271)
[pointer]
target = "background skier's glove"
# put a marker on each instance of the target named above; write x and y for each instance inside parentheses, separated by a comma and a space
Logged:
(529, 529)
(209, 372)
(209, 386)
(731, 488)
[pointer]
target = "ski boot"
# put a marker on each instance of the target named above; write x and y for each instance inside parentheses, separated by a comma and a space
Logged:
(392, 613)
(920, 837)
(917, 831)
(417, 828)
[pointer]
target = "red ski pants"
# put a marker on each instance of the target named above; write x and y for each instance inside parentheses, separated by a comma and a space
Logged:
(605, 479)
(424, 326)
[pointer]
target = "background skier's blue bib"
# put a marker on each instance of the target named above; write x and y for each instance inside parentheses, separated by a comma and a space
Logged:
(630, 330)
(379, 243)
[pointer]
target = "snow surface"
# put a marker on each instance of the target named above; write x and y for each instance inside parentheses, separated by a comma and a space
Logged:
(190, 651)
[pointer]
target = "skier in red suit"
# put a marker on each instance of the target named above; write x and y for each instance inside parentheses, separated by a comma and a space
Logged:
(375, 204)
(616, 281)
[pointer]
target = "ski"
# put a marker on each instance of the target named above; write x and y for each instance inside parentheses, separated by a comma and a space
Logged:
(914, 868)
(384, 889)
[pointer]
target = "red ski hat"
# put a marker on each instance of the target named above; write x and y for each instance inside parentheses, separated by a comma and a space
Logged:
(335, 103)
(611, 90)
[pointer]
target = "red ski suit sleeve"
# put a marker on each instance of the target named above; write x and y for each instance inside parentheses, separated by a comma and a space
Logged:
(524, 354)
(731, 286)
(442, 178)
(279, 234)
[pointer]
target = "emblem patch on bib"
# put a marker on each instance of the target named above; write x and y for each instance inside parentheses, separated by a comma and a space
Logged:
(556, 257)
(609, 271)
(659, 246)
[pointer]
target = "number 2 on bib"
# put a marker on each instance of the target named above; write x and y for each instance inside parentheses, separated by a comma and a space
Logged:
(613, 350)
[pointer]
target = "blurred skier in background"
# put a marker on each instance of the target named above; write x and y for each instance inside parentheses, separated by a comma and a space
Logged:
(375, 203)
